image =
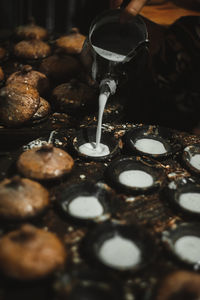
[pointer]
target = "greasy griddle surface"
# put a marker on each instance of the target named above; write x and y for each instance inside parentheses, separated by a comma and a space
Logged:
(149, 211)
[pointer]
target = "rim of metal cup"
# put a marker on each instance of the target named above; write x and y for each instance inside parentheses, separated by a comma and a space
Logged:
(114, 15)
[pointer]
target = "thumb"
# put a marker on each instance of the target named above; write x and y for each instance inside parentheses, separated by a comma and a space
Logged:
(132, 9)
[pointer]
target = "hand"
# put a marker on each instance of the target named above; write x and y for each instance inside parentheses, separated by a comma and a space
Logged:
(132, 9)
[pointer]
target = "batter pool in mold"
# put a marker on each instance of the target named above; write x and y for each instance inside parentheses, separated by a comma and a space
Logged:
(97, 149)
(90, 149)
(195, 161)
(85, 207)
(119, 253)
(190, 201)
(136, 179)
(150, 146)
(188, 248)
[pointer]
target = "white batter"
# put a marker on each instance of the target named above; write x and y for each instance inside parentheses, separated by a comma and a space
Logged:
(119, 253)
(150, 146)
(136, 178)
(90, 149)
(109, 55)
(97, 149)
(195, 161)
(188, 248)
(190, 201)
(85, 207)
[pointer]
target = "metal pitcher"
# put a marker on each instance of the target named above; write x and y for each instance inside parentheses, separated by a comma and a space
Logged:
(110, 45)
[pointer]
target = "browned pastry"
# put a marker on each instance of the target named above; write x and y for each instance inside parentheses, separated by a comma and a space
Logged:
(31, 31)
(60, 68)
(180, 285)
(18, 103)
(33, 49)
(22, 198)
(1, 74)
(71, 43)
(2, 53)
(43, 111)
(73, 95)
(27, 75)
(30, 253)
(46, 162)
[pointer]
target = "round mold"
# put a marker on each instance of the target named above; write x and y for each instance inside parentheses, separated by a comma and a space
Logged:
(151, 176)
(88, 135)
(152, 141)
(183, 243)
(85, 203)
(191, 158)
(118, 248)
(184, 196)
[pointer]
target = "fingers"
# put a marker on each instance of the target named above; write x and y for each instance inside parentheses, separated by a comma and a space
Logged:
(115, 3)
(132, 9)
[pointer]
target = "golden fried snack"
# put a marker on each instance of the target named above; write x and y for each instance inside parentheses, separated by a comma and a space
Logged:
(30, 253)
(32, 77)
(71, 43)
(46, 162)
(33, 49)
(18, 103)
(22, 198)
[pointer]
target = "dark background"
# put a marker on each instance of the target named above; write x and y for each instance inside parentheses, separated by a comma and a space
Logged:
(55, 15)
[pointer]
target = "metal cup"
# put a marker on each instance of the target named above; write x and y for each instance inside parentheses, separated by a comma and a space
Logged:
(110, 45)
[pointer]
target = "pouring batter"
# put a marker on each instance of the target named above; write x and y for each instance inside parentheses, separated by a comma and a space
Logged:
(97, 149)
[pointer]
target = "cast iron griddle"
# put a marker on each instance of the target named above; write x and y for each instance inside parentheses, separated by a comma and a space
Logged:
(148, 211)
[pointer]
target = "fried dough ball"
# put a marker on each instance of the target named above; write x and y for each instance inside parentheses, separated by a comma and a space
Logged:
(71, 43)
(179, 285)
(18, 103)
(21, 198)
(32, 77)
(33, 49)
(46, 162)
(60, 68)
(73, 95)
(30, 253)
(31, 31)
